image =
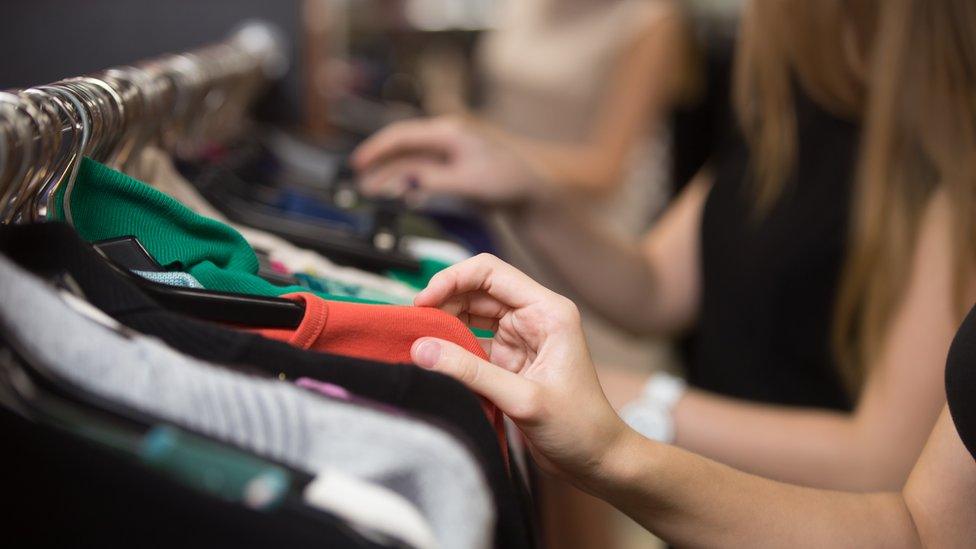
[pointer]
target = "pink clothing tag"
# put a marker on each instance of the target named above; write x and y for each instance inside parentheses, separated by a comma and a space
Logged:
(328, 389)
(280, 268)
(332, 390)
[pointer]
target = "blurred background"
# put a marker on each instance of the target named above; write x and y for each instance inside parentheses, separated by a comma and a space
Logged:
(543, 69)
(355, 65)
(762, 209)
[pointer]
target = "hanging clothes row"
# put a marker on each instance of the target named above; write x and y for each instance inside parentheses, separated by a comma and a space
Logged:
(205, 333)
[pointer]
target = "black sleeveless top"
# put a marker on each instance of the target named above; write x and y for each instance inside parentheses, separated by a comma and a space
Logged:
(769, 282)
(960, 380)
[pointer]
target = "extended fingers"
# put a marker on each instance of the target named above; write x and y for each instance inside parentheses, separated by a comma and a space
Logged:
(398, 176)
(414, 175)
(429, 136)
(483, 273)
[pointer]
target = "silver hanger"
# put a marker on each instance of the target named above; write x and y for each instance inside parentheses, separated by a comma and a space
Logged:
(23, 140)
(73, 130)
(177, 101)
(81, 145)
(46, 120)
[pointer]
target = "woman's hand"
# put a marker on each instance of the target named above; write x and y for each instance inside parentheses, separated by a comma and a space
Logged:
(539, 374)
(443, 156)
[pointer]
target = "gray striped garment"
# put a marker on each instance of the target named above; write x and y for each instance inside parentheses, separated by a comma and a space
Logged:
(273, 419)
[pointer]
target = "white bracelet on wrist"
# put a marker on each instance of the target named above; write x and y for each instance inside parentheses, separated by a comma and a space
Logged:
(664, 389)
(650, 414)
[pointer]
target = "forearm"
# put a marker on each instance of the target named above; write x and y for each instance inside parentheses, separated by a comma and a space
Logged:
(635, 97)
(692, 501)
(833, 452)
(590, 168)
(610, 275)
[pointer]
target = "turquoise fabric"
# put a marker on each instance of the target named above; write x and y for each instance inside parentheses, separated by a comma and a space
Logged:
(169, 278)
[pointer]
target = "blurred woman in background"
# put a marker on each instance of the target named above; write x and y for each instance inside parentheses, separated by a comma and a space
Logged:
(584, 87)
(823, 308)
(907, 276)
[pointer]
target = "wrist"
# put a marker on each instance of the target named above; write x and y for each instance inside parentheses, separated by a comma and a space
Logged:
(541, 188)
(532, 185)
(517, 164)
(623, 465)
(529, 218)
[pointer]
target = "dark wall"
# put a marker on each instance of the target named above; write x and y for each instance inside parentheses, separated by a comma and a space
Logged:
(45, 40)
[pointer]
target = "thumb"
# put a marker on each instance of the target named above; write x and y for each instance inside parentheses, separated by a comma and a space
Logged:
(508, 390)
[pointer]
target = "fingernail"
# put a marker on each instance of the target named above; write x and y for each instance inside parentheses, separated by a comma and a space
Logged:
(428, 353)
(418, 299)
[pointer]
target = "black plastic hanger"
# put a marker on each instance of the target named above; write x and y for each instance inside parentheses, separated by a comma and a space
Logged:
(126, 254)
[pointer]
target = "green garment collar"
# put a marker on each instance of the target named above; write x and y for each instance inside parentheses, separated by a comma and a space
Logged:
(109, 204)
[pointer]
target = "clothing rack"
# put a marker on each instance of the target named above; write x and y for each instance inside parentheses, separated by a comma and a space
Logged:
(172, 335)
(179, 102)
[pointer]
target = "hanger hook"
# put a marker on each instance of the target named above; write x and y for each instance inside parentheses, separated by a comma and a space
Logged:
(85, 120)
(20, 123)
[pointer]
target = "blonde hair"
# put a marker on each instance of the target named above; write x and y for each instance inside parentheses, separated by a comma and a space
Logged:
(920, 136)
(819, 43)
(917, 103)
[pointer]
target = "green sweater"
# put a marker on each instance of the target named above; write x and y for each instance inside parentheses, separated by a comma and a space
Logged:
(109, 204)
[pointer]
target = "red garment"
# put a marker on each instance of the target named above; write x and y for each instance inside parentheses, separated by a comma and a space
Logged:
(382, 333)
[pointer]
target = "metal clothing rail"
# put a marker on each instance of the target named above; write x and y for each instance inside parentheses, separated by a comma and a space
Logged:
(178, 102)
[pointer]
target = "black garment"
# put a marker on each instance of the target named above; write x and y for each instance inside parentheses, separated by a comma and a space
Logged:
(54, 248)
(769, 282)
(62, 491)
(698, 129)
(960, 380)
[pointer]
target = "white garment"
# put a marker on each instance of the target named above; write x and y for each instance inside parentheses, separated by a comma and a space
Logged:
(421, 247)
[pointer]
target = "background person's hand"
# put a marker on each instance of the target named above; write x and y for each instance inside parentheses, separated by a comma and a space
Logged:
(540, 373)
(443, 156)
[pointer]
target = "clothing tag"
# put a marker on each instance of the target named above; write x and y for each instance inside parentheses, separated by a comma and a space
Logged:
(327, 389)
(370, 508)
(332, 390)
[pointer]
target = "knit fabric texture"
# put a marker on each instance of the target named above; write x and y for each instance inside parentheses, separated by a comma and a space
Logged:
(108, 204)
(379, 332)
(55, 250)
(271, 418)
(327, 286)
(155, 167)
(171, 278)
